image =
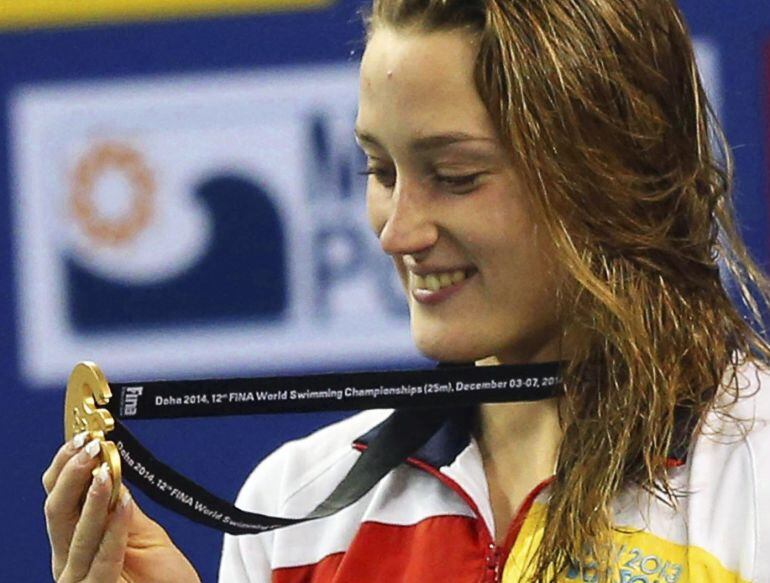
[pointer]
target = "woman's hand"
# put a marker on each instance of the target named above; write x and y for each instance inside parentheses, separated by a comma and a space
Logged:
(91, 544)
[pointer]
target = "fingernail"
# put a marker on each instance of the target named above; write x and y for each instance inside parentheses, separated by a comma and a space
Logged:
(102, 474)
(79, 440)
(125, 498)
(93, 448)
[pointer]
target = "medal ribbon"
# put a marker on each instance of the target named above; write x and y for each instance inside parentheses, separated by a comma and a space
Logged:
(422, 399)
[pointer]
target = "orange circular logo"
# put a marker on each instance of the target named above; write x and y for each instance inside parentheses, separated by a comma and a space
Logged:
(112, 157)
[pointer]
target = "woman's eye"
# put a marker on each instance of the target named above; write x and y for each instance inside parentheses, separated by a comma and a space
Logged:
(463, 183)
(384, 176)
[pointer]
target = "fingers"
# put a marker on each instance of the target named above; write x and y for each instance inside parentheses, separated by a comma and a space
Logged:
(65, 453)
(99, 541)
(62, 507)
(108, 563)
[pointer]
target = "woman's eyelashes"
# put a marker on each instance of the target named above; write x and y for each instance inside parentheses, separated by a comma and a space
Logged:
(463, 183)
(384, 176)
(459, 183)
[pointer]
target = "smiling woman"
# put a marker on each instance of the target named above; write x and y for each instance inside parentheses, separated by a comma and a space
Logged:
(542, 174)
(449, 206)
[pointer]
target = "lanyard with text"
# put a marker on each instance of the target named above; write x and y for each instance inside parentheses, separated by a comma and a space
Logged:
(422, 400)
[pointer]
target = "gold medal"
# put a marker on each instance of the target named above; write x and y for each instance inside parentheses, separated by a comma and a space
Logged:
(87, 390)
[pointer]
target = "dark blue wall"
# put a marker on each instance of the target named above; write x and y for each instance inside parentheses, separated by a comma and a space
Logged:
(221, 453)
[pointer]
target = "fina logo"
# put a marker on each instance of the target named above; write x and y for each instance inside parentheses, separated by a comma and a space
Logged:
(199, 225)
(131, 400)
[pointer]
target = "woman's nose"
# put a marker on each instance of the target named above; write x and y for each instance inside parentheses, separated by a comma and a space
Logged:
(409, 227)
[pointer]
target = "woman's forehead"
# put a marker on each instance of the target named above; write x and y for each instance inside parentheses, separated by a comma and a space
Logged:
(398, 54)
(422, 84)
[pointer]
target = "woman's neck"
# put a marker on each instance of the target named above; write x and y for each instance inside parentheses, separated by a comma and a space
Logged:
(525, 432)
(519, 444)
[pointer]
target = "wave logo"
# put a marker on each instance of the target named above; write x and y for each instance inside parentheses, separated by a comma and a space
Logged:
(168, 263)
(206, 225)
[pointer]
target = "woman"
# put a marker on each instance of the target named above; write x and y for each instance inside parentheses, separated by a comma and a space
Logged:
(541, 173)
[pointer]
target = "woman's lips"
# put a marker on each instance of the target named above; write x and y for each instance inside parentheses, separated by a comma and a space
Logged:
(431, 298)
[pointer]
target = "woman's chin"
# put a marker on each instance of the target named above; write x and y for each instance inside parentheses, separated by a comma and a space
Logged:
(447, 351)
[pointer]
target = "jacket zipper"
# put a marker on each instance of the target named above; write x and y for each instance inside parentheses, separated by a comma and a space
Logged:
(492, 574)
(492, 567)
(495, 555)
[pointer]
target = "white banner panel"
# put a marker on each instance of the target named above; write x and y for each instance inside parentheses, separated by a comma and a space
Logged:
(198, 225)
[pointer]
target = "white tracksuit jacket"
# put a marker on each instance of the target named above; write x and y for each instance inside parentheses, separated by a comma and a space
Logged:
(430, 519)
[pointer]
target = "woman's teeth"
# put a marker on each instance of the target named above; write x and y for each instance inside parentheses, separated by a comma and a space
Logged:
(436, 281)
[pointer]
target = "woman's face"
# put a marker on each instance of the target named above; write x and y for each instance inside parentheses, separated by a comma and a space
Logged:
(448, 205)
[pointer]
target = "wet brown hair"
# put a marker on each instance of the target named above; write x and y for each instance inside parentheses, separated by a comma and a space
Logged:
(602, 107)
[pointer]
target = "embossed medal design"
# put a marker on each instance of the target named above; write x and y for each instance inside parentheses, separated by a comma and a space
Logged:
(87, 392)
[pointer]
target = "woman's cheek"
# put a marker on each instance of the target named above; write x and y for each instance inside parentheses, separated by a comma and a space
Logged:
(403, 275)
(376, 222)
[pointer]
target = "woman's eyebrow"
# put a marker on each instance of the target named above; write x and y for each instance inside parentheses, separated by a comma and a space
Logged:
(440, 141)
(428, 143)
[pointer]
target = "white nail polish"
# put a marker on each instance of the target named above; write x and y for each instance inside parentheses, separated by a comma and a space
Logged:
(102, 474)
(79, 440)
(93, 448)
(125, 498)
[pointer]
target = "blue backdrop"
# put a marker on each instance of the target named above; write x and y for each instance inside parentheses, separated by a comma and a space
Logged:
(44, 72)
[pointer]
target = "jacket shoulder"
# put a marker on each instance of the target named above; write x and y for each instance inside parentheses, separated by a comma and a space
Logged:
(754, 411)
(300, 463)
(731, 474)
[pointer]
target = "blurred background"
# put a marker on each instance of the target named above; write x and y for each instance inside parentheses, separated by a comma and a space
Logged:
(180, 197)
